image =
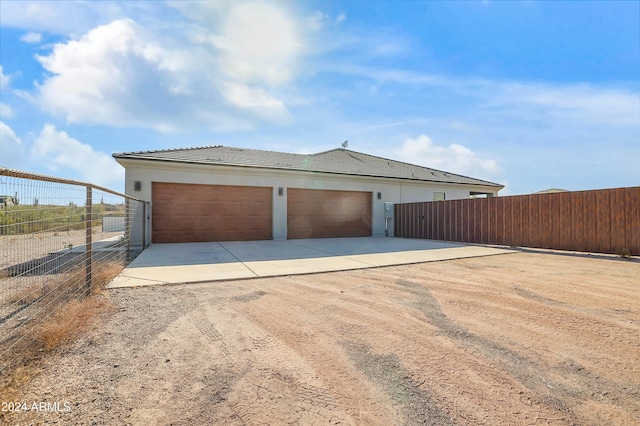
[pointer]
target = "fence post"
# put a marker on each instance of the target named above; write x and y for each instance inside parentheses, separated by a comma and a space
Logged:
(145, 221)
(88, 244)
(127, 227)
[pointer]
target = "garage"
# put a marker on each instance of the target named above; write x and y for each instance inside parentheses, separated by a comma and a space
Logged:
(197, 213)
(314, 213)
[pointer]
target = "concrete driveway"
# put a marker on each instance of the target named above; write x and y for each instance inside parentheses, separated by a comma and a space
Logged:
(215, 261)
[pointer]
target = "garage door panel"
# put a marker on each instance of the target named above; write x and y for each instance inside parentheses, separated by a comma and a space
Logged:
(313, 213)
(197, 213)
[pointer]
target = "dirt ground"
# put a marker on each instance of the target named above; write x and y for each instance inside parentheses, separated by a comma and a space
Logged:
(514, 339)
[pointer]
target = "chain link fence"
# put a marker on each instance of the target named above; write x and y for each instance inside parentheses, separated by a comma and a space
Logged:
(60, 240)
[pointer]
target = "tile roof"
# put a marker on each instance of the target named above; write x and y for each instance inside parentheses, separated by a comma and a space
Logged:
(337, 161)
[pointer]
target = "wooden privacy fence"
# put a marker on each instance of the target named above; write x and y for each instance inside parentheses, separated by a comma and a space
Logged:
(600, 221)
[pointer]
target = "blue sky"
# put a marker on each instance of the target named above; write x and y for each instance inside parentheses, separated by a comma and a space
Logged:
(529, 94)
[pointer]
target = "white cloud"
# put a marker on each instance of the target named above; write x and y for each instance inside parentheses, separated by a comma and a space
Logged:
(260, 43)
(198, 10)
(4, 80)
(254, 99)
(6, 111)
(116, 74)
(8, 136)
(31, 37)
(577, 101)
(11, 147)
(32, 14)
(124, 74)
(389, 48)
(453, 158)
(316, 21)
(69, 17)
(574, 103)
(56, 149)
(253, 42)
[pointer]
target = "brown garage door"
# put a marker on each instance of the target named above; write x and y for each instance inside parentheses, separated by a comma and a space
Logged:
(190, 213)
(313, 213)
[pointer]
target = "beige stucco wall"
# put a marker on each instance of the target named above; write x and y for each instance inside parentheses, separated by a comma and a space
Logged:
(391, 190)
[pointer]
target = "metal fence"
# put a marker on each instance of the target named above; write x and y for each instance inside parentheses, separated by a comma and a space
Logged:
(60, 240)
(599, 221)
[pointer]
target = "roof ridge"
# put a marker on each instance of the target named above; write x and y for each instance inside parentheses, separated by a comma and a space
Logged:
(169, 150)
(329, 150)
(154, 151)
(444, 173)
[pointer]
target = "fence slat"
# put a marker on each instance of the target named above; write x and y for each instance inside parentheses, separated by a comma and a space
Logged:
(577, 220)
(532, 222)
(457, 220)
(439, 213)
(618, 220)
(564, 221)
(603, 221)
(485, 211)
(632, 226)
(500, 221)
(518, 221)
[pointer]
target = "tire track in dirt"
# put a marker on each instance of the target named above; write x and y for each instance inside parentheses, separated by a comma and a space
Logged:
(417, 406)
(248, 297)
(469, 387)
(463, 383)
(292, 386)
(589, 384)
(614, 317)
(595, 318)
(176, 367)
(345, 397)
(208, 330)
(579, 383)
(559, 325)
(394, 329)
(513, 363)
(528, 294)
(278, 386)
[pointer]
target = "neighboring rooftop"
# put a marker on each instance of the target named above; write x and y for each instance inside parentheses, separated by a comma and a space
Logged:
(337, 161)
(551, 191)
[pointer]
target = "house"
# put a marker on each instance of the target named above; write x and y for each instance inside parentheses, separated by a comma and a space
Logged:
(221, 193)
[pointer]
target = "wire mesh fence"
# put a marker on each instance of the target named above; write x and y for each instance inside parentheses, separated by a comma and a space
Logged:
(60, 240)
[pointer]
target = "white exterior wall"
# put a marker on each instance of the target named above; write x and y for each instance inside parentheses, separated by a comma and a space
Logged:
(392, 190)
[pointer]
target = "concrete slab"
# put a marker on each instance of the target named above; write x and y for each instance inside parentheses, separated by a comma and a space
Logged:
(183, 254)
(369, 245)
(275, 268)
(198, 262)
(153, 275)
(253, 251)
